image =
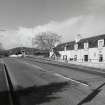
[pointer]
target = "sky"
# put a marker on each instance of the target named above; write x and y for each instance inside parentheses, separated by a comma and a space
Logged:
(21, 20)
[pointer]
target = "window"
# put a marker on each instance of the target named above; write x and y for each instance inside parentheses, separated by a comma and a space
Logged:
(86, 45)
(100, 43)
(76, 47)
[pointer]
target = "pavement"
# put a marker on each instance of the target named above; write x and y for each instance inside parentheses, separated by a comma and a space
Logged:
(99, 65)
(96, 65)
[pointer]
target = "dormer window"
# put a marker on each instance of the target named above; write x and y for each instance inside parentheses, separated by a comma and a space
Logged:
(65, 48)
(86, 45)
(100, 43)
(76, 47)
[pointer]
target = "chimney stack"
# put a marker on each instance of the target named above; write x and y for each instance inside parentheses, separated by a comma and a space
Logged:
(78, 38)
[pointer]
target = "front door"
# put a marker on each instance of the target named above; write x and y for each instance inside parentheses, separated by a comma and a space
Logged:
(86, 58)
(100, 57)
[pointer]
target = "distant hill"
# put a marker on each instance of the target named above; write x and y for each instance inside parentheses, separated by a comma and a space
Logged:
(4, 53)
(28, 51)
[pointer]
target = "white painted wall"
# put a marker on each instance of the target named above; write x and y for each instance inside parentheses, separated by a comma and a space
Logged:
(93, 54)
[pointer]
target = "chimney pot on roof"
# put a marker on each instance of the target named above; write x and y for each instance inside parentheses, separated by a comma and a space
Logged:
(78, 38)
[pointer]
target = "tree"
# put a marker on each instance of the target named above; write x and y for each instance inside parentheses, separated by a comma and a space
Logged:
(46, 40)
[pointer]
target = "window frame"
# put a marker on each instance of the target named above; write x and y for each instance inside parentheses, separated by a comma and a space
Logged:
(86, 45)
(102, 43)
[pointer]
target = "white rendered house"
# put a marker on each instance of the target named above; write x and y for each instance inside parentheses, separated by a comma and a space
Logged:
(85, 50)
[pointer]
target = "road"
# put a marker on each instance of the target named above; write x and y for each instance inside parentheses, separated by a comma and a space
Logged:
(92, 80)
(36, 83)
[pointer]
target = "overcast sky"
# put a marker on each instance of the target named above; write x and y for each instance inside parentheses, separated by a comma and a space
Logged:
(23, 19)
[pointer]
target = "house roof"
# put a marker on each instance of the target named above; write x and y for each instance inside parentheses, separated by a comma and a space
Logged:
(92, 42)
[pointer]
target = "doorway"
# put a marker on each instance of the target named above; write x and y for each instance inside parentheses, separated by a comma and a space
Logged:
(100, 57)
(86, 58)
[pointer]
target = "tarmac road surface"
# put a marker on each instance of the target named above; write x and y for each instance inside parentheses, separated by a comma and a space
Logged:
(33, 84)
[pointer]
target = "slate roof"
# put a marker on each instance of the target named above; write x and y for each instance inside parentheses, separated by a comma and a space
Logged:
(92, 42)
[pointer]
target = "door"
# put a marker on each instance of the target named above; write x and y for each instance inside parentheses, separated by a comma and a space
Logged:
(64, 57)
(86, 58)
(100, 57)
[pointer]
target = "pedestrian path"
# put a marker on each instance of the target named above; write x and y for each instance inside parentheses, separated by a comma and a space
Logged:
(90, 64)
(100, 65)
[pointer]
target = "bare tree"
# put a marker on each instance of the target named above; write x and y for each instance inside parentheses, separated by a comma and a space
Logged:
(46, 40)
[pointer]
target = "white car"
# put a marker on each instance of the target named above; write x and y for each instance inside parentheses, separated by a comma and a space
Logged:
(19, 55)
(13, 55)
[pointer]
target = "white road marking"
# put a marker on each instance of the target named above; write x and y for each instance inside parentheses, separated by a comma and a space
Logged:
(59, 75)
